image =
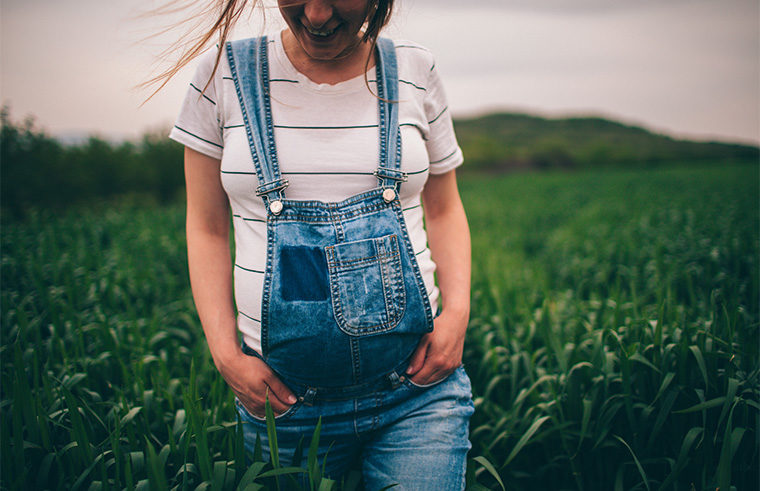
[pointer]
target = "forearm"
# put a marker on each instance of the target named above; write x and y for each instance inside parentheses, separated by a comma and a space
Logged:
(210, 264)
(211, 281)
(449, 242)
(208, 254)
(440, 352)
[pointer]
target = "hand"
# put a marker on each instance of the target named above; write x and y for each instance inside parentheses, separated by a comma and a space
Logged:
(252, 381)
(439, 352)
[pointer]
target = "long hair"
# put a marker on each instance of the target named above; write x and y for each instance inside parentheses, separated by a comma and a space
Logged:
(208, 23)
(225, 14)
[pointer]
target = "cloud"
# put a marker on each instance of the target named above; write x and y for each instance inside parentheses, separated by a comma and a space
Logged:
(682, 66)
(570, 6)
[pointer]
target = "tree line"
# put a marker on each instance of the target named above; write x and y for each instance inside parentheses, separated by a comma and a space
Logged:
(38, 171)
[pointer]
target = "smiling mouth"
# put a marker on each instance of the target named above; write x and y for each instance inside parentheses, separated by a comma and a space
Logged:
(322, 33)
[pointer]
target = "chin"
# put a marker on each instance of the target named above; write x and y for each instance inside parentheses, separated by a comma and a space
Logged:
(319, 52)
(325, 50)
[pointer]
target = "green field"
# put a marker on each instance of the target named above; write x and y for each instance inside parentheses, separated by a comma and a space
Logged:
(613, 342)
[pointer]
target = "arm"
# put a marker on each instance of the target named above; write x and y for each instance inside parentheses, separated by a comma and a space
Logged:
(440, 352)
(210, 265)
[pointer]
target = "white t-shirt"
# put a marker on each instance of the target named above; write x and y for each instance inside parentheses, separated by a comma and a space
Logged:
(327, 148)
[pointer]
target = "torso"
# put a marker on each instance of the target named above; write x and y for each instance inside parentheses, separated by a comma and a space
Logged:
(327, 145)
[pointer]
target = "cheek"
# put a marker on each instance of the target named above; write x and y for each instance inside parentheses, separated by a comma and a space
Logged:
(356, 11)
(290, 14)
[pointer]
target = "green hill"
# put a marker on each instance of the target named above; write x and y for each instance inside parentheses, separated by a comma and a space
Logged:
(504, 142)
(40, 171)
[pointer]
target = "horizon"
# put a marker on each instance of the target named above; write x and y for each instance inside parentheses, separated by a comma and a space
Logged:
(75, 138)
(684, 69)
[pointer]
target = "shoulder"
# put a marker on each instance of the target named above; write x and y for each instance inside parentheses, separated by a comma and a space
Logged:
(206, 64)
(413, 55)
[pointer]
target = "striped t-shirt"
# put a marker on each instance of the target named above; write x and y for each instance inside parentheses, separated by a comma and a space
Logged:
(327, 148)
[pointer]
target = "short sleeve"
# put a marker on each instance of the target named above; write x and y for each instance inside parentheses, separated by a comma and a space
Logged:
(443, 149)
(198, 125)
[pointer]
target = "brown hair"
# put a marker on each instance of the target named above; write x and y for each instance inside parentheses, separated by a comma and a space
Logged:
(226, 14)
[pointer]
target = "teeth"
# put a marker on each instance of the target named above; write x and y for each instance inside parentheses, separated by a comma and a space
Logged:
(319, 33)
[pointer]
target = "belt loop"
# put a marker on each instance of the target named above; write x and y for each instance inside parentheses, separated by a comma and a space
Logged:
(394, 379)
(308, 398)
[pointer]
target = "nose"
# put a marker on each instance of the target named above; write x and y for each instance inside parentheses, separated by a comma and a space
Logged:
(318, 12)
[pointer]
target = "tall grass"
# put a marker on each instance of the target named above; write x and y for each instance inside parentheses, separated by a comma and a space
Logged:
(613, 342)
(614, 335)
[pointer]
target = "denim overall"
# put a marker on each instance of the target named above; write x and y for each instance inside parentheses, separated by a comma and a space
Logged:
(344, 304)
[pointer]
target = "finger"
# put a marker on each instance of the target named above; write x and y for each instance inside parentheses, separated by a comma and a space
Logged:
(280, 397)
(418, 357)
(256, 405)
(279, 391)
(268, 397)
(427, 375)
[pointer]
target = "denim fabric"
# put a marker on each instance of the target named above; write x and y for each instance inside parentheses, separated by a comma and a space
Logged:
(412, 436)
(375, 313)
(344, 303)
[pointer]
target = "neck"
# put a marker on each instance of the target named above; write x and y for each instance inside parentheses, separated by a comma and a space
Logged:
(350, 65)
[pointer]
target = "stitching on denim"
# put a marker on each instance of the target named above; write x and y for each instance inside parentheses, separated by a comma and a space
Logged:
(355, 359)
(352, 263)
(265, 293)
(399, 286)
(272, 151)
(244, 110)
(379, 241)
(381, 108)
(407, 243)
(395, 300)
(293, 215)
(385, 275)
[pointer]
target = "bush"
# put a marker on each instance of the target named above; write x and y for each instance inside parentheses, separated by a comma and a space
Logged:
(39, 172)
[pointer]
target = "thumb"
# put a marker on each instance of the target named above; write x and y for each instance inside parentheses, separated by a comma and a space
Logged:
(280, 390)
(418, 357)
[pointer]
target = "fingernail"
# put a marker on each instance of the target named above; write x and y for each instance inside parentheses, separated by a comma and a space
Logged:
(292, 399)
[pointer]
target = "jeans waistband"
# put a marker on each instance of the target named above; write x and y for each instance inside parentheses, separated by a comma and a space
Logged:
(308, 394)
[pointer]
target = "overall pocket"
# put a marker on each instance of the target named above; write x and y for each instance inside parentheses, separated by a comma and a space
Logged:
(366, 285)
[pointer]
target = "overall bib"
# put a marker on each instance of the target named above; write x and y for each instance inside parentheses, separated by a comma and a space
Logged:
(344, 304)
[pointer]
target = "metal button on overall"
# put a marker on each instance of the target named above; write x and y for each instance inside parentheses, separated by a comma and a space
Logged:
(275, 207)
(389, 195)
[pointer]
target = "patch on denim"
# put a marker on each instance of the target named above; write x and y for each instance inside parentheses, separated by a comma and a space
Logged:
(303, 274)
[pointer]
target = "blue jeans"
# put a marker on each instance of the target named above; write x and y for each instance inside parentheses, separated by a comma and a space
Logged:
(413, 436)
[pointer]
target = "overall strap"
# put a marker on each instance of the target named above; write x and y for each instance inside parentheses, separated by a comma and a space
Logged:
(389, 170)
(250, 72)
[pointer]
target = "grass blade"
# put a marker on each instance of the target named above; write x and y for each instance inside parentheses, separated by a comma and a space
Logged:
(636, 460)
(490, 468)
(525, 438)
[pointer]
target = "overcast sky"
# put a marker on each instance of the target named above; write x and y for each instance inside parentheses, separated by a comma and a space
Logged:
(684, 67)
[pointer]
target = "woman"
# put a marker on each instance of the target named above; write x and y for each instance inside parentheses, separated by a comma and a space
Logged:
(326, 141)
